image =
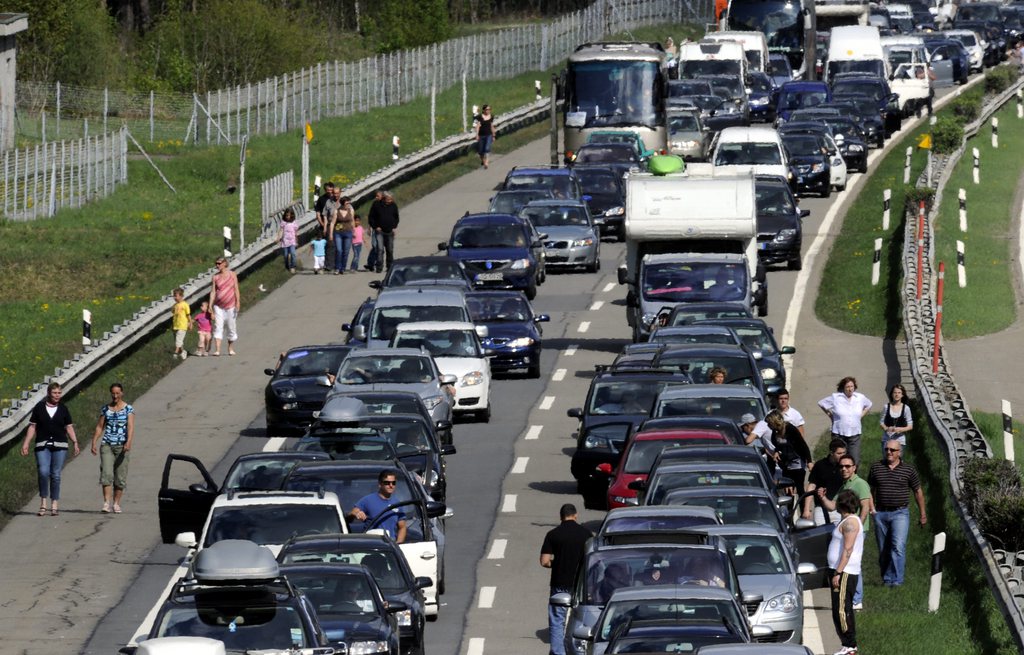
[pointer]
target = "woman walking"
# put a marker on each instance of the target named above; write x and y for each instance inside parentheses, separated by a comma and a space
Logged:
(485, 134)
(51, 427)
(897, 420)
(341, 228)
(226, 300)
(845, 408)
(845, 551)
(116, 429)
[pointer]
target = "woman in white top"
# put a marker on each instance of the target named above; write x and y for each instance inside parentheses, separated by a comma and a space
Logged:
(845, 408)
(845, 552)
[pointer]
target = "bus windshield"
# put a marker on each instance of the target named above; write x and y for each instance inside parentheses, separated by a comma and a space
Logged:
(614, 93)
(780, 22)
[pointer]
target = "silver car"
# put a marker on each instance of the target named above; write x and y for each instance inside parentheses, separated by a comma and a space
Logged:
(399, 369)
(687, 136)
(572, 238)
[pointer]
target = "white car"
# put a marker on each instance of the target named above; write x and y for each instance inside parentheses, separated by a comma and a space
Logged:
(455, 347)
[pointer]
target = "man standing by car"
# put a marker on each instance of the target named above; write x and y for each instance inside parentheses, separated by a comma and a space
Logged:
(825, 474)
(561, 552)
(384, 223)
(372, 507)
(859, 486)
(890, 480)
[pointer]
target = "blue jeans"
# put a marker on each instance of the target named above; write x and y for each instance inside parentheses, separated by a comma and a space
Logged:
(342, 242)
(289, 256)
(50, 462)
(357, 249)
(891, 530)
(556, 624)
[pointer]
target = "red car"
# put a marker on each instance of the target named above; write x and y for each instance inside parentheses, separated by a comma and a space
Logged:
(641, 451)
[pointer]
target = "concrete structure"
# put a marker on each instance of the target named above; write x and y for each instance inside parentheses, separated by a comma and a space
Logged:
(10, 24)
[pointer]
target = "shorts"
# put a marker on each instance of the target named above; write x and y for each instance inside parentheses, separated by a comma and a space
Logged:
(113, 465)
(225, 318)
(179, 338)
(205, 335)
(483, 145)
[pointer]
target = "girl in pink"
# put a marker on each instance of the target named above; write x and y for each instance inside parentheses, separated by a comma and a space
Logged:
(288, 238)
(357, 242)
(203, 323)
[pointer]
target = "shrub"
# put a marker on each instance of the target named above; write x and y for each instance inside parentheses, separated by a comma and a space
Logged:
(994, 495)
(1000, 78)
(966, 108)
(913, 195)
(947, 135)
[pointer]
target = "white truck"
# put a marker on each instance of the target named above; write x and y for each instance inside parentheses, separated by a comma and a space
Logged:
(907, 62)
(754, 45)
(713, 58)
(689, 239)
(855, 49)
(832, 13)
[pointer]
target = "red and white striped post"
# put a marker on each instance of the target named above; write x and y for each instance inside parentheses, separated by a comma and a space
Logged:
(920, 248)
(938, 317)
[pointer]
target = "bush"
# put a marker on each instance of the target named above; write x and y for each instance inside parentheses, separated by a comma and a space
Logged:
(994, 495)
(966, 108)
(1000, 78)
(913, 195)
(947, 135)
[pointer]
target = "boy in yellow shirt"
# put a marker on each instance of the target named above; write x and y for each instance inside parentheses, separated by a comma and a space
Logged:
(181, 322)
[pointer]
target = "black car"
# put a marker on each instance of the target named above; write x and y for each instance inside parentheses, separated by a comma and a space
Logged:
(700, 311)
(513, 330)
(731, 90)
(385, 561)
(689, 87)
(863, 111)
(499, 251)
(696, 361)
(349, 606)
(395, 402)
(430, 270)
(298, 386)
(361, 318)
(809, 163)
(616, 403)
(716, 113)
(510, 202)
(620, 157)
(886, 102)
(759, 339)
(560, 182)
(605, 195)
(779, 222)
(850, 138)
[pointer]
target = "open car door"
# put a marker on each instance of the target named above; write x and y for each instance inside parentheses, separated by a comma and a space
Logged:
(812, 548)
(184, 500)
(420, 547)
(910, 81)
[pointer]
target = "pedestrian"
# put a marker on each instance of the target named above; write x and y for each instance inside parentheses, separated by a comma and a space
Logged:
(341, 227)
(384, 223)
(789, 450)
(748, 428)
(330, 214)
(825, 474)
(112, 441)
(51, 428)
(373, 508)
(892, 481)
(845, 553)
(181, 322)
(318, 247)
(485, 134)
(561, 552)
(845, 408)
(793, 417)
(203, 324)
(375, 247)
(897, 420)
(670, 48)
(226, 299)
(357, 242)
(859, 486)
(320, 206)
(288, 237)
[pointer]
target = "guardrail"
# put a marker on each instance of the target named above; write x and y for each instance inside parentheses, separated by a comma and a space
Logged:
(154, 317)
(948, 411)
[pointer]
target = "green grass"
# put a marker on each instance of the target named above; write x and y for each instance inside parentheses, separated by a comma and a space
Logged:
(968, 620)
(846, 300)
(991, 426)
(988, 303)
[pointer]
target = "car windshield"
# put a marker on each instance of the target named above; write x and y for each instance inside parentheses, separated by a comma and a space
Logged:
(748, 154)
(262, 474)
(336, 596)
(774, 200)
(779, 66)
(348, 443)
(494, 309)
(382, 564)
(858, 87)
(598, 181)
(728, 88)
(616, 568)
(643, 452)
(689, 642)
(605, 154)
(790, 100)
(631, 523)
(756, 339)
(803, 145)
(710, 338)
(558, 186)
(510, 202)
(440, 343)
(489, 236)
(394, 369)
(843, 126)
(684, 316)
(440, 270)
(761, 82)
(242, 621)
(709, 611)
(270, 524)
(350, 487)
(699, 68)
(722, 407)
(621, 397)
(698, 367)
(667, 481)
(614, 93)
(758, 555)
(862, 105)
(680, 88)
(694, 281)
(548, 216)
(683, 122)
(392, 405)
(407, 435)
(385, 320)
(733, 510)
(310, 361)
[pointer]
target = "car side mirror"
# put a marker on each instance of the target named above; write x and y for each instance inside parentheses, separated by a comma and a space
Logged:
(605, 468)
(443, 425)
(587, 198)
(623, 275)
(481, 331)
(270, 371)
(323, 381)
(806, 568)
(186, 540)
(422, 582)
(803, 524)
(537, 244)
(637, 485)
(346, 327)
(575, 412)
(541, 318)
(442, 245)
(200, 488)
(359, 332)
(448, 449)
(563, 599)
(435, 509)
(581, 631)
(396, 606)
(449, 379)
(375, 284)
(787, 350)
(804, 213)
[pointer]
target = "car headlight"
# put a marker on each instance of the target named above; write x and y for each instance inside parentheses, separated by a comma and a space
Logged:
(473, 378)
(817, 168)
(521, 342)
(433, 401)
(769, 373)
(367, 647)
(404, 618)
(854, 147)
(285, 393)
(784, 235)
(580, 243)
(625, 501)
(782, 604)
(759, 102)
(520, 264)
(590, 442)
(648, 319)
(615, 211)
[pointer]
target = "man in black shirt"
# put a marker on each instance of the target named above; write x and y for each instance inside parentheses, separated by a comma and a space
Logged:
(562, 551)
(825, 474)
(384, 223)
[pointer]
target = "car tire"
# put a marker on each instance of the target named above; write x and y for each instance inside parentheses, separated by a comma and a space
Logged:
(762, 310)
(826, 191)
(636, 334)
(595, 267)
(533, 371)
(484, 416)
(531, 290)
(795, 264)
(864, 168)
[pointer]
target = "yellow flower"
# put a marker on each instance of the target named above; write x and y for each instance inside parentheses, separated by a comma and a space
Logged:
(46, 307)
(147, 216)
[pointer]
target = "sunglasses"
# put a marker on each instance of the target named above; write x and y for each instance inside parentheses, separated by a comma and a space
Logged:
(892, 450)
(389, 483)
(846, 466)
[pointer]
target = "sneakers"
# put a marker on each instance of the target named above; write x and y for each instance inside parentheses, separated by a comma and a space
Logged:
(846, 650)
(858, 607)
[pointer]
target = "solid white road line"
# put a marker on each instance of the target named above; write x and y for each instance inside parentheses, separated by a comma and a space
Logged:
(498, 547)
(147, 623)
(571, 350)
(520, 465)
(534, 432)
(584, 326)
(509, 503)
(273, 444)
(608, 287)
(486, 601)
(597, 304)
(558, 375)
(476, 646)
(1020, 241)
(812, 631)
(546, 402)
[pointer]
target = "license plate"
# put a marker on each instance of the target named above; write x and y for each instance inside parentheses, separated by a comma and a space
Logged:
(763, 245)
(488, 277)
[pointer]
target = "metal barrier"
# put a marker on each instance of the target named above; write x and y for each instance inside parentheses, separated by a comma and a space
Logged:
(947, 409)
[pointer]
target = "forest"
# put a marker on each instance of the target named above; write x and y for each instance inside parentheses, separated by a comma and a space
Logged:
(197, 45)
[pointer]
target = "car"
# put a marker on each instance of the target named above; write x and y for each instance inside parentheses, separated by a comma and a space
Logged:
(633, 519)
(235, 593)
(779, 68)
(850, 138)
(693, 334)
(800, 94)
(562, 183)
(431, 270)
(987, 34)
(360, 319)
(729, 401)
(349, 606)
(810, 162)
(510, 202)
(687, 136)
(886, 102)
(759, 339)
(382, 557)
(716, 113)
(500, 251)
(457, 351)
(298, 386)
(779, 223)
(697, 361)
(620, 157)
(761, 97)
(731, 90)
(390, 402)
(621, 136)
(514, 334)
(668, 476)
(741, 149)
(409, 304)
(950, 61)
(972, 42)
(263, 471)
(756, 648)
(688, 87)
(864, 111)
(573, 240)
(400, 369)
(605, 196)
(693, 312)
(730, 432)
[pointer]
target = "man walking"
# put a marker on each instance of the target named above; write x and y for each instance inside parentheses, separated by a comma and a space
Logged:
(384, 223)
(561, 552)
(859, 486)
(891, 481)
(375, 249)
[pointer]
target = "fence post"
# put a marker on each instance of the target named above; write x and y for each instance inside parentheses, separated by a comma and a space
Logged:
(920, 249)
(58, 109)
(906, 165)
(227, 241)
(464, 100)
(151, 117)
(1007, 431)
(86, 328)
(106, 106)
(433, 113)
(995, 132)
(886, 200)
(961, 265)
(935, 587)
(962, 197)
(977, 165)
(394, 147)
(43, 126)
(937, 340)
(876, 263)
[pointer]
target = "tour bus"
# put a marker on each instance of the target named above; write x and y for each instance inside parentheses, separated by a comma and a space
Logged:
(788, 26)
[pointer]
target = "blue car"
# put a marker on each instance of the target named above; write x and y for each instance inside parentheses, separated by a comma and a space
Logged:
(513, 330)
(500, 251)
(762, 97)
(800, 95)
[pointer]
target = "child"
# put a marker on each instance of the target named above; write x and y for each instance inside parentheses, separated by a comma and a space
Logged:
(318, 247)
(181, 322)
(288, 238)
(357, 242)
(203, 322)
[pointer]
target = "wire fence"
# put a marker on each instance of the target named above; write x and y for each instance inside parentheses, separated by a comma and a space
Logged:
(276, 195)
(47, 112)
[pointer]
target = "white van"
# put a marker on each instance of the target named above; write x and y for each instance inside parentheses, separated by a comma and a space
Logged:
(741, 150)
(712, 58)
(855, 49)
(755, 46)
(907, 61)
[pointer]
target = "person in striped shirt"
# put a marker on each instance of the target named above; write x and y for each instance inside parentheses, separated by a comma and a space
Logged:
(892, 481)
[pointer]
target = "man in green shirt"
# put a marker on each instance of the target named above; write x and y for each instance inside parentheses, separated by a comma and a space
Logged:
(859, 486)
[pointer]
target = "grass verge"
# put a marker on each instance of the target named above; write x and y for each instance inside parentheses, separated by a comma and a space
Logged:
(991, 426)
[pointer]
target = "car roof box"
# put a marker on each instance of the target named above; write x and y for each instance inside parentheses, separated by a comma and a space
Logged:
(233, 560)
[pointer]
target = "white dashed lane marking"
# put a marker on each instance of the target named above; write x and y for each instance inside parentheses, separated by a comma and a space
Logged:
(558, 375)
(498, 549)
(584, 326)
(546, 402)
(534, 432)
(509, 503)
(487, 597)
(520, 465)
(608, 287)
(476, 646)
(571, 350)
(598, 304)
